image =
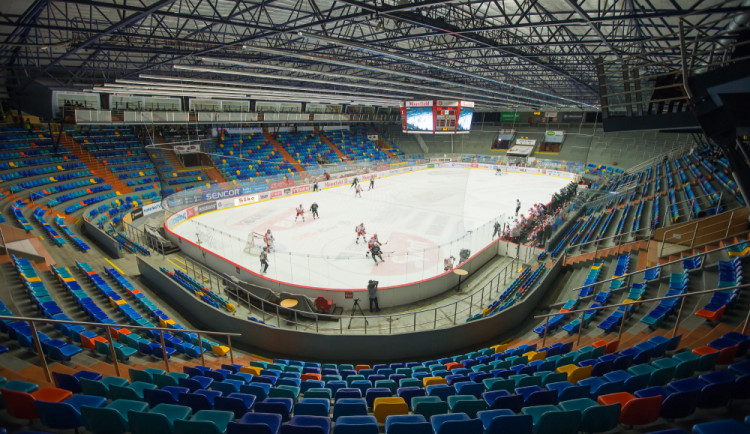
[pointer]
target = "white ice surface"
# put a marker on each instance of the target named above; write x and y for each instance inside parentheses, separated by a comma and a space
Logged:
(421, 218)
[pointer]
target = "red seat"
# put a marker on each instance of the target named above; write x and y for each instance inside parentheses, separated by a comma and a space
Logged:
(360, 367)
(310, 376)
(635, 411)
(21, 404)
(702, 351)
(322, 304)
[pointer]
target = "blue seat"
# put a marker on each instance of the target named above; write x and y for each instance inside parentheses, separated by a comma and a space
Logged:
(307, 425)
(66, 414)
(72, 382)
(502, 399)
(312, 407)
(407, 424)
(721, 427)
(260, 390)
(349, 407)
(356, 425)
(505, 421)
(238, 403)
(456, 423)
(280, 406)
(256, 423)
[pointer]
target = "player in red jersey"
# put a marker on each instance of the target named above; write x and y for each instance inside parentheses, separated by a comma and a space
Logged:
(300, 212)
(268, 238)
(360, 231)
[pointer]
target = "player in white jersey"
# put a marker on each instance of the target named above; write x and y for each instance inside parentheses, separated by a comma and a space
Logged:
(372, 182)
(268, 238)
(357, 191)
(360, 231)
(300, 212)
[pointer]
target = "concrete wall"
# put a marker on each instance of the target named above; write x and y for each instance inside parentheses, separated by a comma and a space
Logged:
(107, 243)
(275, 342)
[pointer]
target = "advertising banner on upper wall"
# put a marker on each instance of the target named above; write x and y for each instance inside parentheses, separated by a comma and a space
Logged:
(510, 116)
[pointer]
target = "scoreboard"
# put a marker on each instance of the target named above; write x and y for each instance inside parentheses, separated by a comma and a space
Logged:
(436, 116)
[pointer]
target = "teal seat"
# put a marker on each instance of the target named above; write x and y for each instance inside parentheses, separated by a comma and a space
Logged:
(162, 380)
(319, 392)
(549, 419)
(594, 417)
(409, 382)
(160, 420)
(204, 422)
(492, 384)
(112, 419)
(132, 391)
(468, 404)
(284, 391)
(428, 406)
(389, 384)
(101, 387)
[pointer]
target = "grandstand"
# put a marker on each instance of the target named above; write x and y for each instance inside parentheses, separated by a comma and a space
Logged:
(593, 281)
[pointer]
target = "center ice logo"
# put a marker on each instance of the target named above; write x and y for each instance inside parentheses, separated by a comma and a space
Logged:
(408, 254)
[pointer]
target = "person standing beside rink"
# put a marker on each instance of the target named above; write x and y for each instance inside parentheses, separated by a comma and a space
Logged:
(372, 182)
(264, 260)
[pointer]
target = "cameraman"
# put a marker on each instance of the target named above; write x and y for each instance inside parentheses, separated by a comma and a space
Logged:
(372, 292)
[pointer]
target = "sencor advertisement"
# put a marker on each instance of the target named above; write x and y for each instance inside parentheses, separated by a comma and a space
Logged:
(152, 208)
(221, 194)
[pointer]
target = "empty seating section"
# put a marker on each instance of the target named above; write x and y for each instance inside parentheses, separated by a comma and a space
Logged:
(56, 238)
(516, 291)
(114, 210)
(730, 274)
(122, 153)
(307, 148)
(31, 151)
(199, 290)
(75, 239)
(356, 146)
(247, 156)
(36, 176)
(125, 242)
(491, 390)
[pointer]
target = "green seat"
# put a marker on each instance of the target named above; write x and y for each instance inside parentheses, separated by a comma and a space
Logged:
(549, 419)
(491, 384)
(112, 419)
(481, 368)
(404, 371)
(389, 384)
(101, 387)
(290, 368)
(284, 391)
(345, 366)
(141, 375)
(468, 404)
(204, 422)
(159, 420)
(330, 377)
(500, 364)
(594, 417)
(319, 392)
(409, 382)
(355, 377)
(428, 406)
(164, 380)
(661, 376)
(132, 391)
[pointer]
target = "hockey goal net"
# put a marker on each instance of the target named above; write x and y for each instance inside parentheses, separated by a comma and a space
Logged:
(255, 243)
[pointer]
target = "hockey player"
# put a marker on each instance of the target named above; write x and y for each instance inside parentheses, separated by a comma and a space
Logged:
(264, 260)
(360, 231)
(518, 206)
(373, 241)
(448, 263)
(358, 191)
(268, 238)
(300, 212)
(354, 182)
(375, 251)
(372, 183)
(497, 230)
(464, 255)
(498, 171)
(314, 209)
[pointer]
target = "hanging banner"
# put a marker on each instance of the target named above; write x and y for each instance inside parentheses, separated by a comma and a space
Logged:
(510, 116)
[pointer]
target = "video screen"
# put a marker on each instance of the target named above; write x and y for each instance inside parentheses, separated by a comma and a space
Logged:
(419, 119)
(464, 119)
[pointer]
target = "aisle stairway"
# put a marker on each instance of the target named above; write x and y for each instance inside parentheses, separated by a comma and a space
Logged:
(97, 168)
(330, 144)
(278, 147)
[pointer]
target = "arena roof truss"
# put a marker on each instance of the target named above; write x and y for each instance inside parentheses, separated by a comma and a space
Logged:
(499, 53)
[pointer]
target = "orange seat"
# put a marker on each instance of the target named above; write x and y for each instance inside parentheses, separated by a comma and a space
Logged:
(726, 355)
(453, 365)
(21, 404)
(360, 367)
(119, 333)
(702, 351)
(310, 376)
(611, 347)
(634, 411)
(711, 315)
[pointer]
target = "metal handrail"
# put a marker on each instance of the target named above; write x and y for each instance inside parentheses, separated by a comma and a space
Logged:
(108, 327)
(490, 287)
(638, 302)
(725, 227)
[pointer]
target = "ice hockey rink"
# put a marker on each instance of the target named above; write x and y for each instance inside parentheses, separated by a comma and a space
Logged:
(420, 217)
